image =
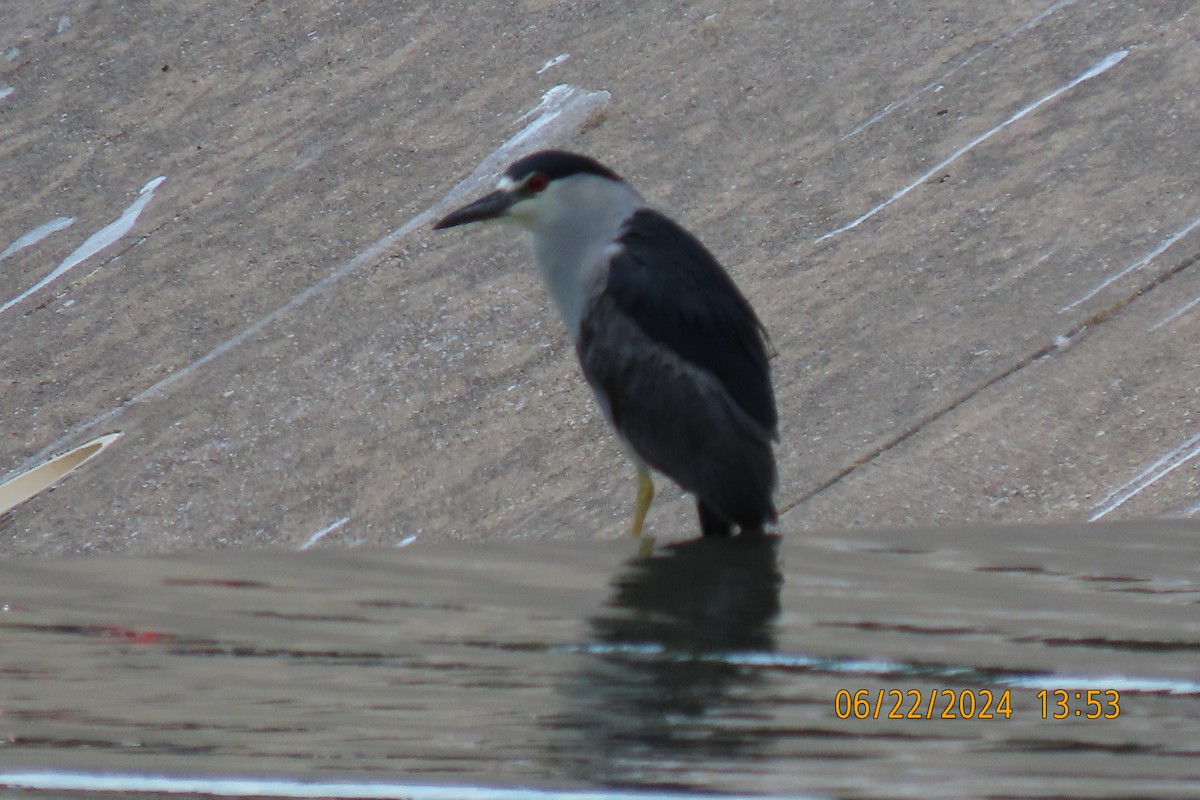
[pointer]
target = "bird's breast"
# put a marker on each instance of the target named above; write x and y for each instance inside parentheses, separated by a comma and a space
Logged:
(573, 274)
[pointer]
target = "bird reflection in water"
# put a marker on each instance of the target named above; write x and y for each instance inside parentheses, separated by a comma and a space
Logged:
(666, 676)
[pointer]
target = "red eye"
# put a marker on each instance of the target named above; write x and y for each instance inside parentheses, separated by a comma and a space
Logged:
(537, 182)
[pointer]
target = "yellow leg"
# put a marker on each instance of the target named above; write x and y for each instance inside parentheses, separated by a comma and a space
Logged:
(645, 496)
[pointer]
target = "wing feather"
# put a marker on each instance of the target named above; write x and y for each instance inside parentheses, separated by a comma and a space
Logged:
(677, 418)
(672, 288)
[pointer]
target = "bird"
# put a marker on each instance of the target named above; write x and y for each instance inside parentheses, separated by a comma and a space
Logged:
(673, 352)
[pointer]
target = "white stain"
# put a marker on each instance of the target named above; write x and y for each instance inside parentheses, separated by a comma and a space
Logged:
(563, 110)
(1102, 66)
(321, 534)
(936, 85)
(6, 91)
(36, 235)
(562, 104)
(1147, 477)
(1136, 265)
(95, 243)
(1176, 314)
(554, 62)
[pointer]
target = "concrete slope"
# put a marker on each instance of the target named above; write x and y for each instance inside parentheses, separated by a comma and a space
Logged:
(970, 229)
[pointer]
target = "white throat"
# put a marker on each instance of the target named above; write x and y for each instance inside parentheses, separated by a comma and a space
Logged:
(573, 226)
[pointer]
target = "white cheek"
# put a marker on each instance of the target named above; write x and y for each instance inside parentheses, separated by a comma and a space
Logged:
(524, 212)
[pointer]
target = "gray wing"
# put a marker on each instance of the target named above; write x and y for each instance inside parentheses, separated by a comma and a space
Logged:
(666, 282)
(676, 398)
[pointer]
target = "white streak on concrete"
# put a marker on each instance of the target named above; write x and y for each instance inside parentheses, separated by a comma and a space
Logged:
(1136, 265)
(1176, 314)
(562, 104)
(406, 541)
(1191, 510)
(6, 91)
(1147, 477)
(99, 240)
(554, 62)
(564, 109)
(1100, 67)
(321, 534)
(36, 235)
(1003, 40)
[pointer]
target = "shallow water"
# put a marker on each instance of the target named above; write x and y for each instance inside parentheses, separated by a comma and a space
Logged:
(582, 670)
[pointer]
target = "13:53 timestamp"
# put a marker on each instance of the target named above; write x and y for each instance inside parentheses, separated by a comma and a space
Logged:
(1088, 704)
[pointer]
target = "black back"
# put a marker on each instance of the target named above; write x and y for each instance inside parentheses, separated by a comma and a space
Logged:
(679, 295)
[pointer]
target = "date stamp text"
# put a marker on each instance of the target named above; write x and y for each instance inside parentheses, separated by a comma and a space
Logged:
(972, 704)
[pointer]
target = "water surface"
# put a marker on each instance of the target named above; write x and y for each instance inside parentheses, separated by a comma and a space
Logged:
(573, 668)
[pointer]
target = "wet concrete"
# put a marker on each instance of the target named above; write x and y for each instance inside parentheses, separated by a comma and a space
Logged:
(711, 666)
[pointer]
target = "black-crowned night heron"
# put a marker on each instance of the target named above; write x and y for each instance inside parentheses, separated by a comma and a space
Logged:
(674, 353)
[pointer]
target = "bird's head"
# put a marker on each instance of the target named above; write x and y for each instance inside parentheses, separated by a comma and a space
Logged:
(545, 188)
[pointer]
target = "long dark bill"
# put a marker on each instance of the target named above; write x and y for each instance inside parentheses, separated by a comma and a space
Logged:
(487, 207)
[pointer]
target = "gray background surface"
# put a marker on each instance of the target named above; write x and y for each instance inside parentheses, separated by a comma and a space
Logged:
(1008, 339)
